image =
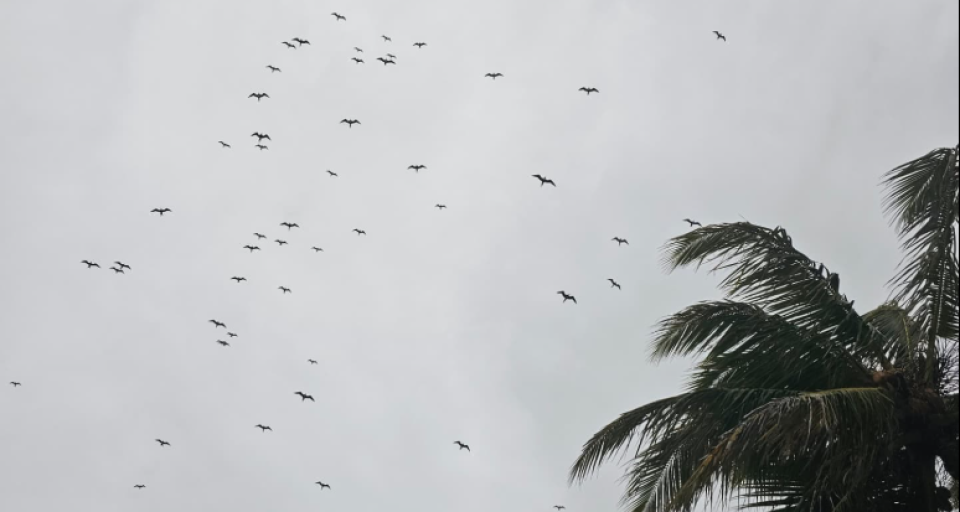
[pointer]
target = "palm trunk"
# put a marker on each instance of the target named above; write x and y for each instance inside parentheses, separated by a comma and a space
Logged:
(926, 486)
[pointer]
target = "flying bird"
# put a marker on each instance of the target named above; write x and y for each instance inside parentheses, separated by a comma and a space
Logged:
(285, 290)
(386, 61)
(317, 249)
(339, 16)
(117, 270)
(281, 242)
(139, 486)
(543, 180)
(16, 384)
(259, 96)
(567, 296)
(90, 264)
(274, 69)
(223, 343)
(264, 428)
(217, 324)
(417, 167)
(493, 75)
(360, 232)
(693, 223)
(304, 397)
(260, 136)
(232, 334)
(441, 207)
(720, 36)
(261, 147)
(161, 211)
(311, 361)
(349, 122)
(290, 45)
(462, 446)
(259, 236)
(589, 90)
(620, 241)
(301, 42)
(614, 284)
(358, 50)
(323, 486)
(419, 45)
(224, 144)
(358, 61)
(387, 39)
(559, 507)
(251, 248)
(162, 443)
(331, 173)
(238, 279)
(289, 225)
(122, 265)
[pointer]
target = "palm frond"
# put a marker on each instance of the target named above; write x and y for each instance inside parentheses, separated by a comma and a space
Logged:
(764, 268)
(905, 335)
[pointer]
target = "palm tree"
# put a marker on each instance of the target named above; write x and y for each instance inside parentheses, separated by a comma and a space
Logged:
(800, 402)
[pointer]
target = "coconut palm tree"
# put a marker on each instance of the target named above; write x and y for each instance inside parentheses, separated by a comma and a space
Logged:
(801, 403)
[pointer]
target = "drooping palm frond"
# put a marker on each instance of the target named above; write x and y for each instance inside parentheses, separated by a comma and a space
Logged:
(746, 347)
(923, 201)
(904, 334)
(765, 269)
(846, 433)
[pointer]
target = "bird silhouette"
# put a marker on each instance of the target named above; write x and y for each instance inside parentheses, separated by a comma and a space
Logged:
(419, 45)
(544, 181)
(441, 207)
(333, 174)
(122, 265)
(259, 236)
(161, 211)
(90, 264)
(274, 69)
(224, 144)
(567, 296)
(289, 225)
(139, 486)
(238, 279)
(251, 248)
(261, 147)
(349, 122)
(217, 325)
(493, 75)
(358, 50)
(620, 241)
(117, 270)
(693, 223)
(16, 384)
(281, 242)
(317, 249)
(358, 61)
(259, 96)
(720, 36)
(232, 334)
(391, 56)
(387, 39)
(162, 443)
(323, 486)
(559, 507)
(462, 445)
(417, 167)
(223, 343)
(285, 290)
(614, 284)
(260, 136)
(589, 90)
(311, 361)
(339, 16)
(264, 428)
(304, 397)
(290, 45)
(301, 42)
(386, 61)
(359, 232)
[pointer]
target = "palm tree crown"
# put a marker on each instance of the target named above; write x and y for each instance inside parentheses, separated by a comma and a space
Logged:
(801, 403)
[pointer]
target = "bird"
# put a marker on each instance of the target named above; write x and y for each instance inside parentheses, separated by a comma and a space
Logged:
(387, 39)
(311, 361)
(274, 69)
(317, 249)
(260, 136)
(261, 147)
(323, 486)
(301, 42)
(417, 168)
(493, 75)
(223, 343)
(693, 223)
(620, 241)
(117, 270)
(281, 242)
(90, 264)
(391, 56)
(720, 36)
(358, 50)
(304, 397)
(285, 290)
(462, 445)
(559, 507)
(614, 284)
(544, 180)
(161, 211)
(386, 61)
(289, 225)
(232, 334)
(349, 122)
(264, 428)
(360, 232)
(589, 90)
(224, 144)
(251, 248)
(238, 279)
(331, 173)
(567, 296)
(419, 45)
(259, 95)
(290, 45)
(122, 265)
(139, 486)
(357, 60)
(441, 207)
(217, 324)
(162, 443)
(339, 16)
(16, 384)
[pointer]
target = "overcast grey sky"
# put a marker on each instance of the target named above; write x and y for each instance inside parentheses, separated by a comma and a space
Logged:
(438, 325)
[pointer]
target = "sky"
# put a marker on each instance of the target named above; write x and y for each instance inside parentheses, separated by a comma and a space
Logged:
(438, 325)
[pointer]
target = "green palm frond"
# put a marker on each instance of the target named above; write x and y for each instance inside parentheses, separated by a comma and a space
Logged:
(765, 269)
(896, 325)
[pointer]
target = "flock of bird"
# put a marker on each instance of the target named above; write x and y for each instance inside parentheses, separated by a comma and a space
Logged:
(297, 43)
